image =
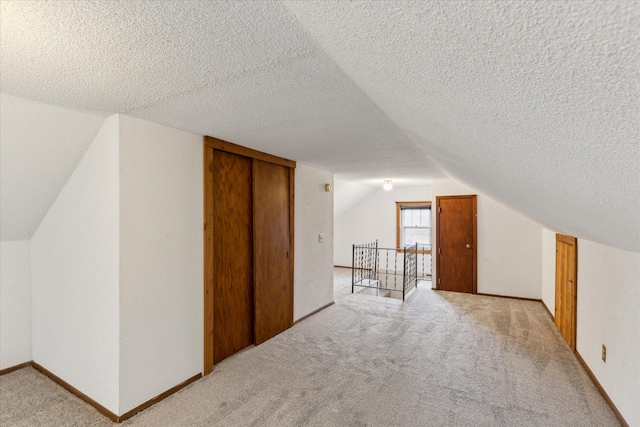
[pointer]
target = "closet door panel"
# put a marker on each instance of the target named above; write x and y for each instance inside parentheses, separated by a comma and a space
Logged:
(273, 287)
(232, 254)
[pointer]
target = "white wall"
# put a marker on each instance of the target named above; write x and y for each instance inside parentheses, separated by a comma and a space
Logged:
(313, 270)
(509, 245)
(15, 303)
(118, 264)
(161, 259)
(548, 289)
(347, 194)
(74, 275)
(609, 314)
(374, 217)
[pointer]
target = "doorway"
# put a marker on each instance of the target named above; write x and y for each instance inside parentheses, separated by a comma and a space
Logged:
(456, 239)
(566, 287)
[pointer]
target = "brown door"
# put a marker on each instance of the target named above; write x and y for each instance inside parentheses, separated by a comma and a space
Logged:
(566, 287)
(232, 254)
(273, 285)
(456, 241)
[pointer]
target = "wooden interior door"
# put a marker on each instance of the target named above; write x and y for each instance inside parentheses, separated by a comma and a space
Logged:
(566, 287)
(456, 239)
(232, 254)
(272, 260)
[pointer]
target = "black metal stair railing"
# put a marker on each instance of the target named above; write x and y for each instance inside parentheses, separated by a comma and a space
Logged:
(387, 269)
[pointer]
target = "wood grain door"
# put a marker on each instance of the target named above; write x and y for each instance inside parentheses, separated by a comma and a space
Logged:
(232, 254)
(566, 287)
(456, 239)
(273, 280)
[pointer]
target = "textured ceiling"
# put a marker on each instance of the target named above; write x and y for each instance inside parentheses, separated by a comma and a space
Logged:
(246, 72)
(535, 103)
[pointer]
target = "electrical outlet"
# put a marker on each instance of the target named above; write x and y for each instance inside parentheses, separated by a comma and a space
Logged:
(604, 353)
(321, 237)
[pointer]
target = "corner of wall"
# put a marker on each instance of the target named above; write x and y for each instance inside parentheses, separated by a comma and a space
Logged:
(548, 282)
(15, 303)
(160, 259)
(74, 275)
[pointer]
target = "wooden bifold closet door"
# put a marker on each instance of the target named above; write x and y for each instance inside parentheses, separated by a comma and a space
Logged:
(248, 287)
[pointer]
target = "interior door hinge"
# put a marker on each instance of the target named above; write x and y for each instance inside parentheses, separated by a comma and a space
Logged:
(438, 250)
(438, 280)
(439, 209)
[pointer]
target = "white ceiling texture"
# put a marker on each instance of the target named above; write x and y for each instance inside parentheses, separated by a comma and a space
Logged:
(534, 103)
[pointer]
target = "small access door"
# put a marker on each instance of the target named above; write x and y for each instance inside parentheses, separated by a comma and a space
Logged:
(566, 287)
(456, 241)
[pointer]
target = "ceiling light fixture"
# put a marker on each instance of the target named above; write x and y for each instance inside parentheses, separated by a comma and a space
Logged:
(387, 185)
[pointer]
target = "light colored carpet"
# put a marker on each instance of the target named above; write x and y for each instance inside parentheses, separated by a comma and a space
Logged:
(439, 359)
(30, 399)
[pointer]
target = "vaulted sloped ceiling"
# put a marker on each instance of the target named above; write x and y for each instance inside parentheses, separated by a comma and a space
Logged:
(40, 146)
(534, 103)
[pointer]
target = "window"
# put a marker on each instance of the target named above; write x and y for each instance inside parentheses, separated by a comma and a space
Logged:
(413, 224)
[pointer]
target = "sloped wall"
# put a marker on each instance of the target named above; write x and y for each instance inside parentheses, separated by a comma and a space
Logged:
(161, 259)
(347, 195)
(609, 314)
(15, 303)
(548, 288)
(41, 146)
(75, 275)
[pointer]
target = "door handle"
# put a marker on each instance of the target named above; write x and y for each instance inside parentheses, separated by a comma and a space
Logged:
(468, 245)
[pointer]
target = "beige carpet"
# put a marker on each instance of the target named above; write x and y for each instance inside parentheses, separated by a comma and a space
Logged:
(439, 359)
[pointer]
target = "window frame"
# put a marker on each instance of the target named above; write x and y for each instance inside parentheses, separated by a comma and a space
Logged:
(399, 206)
